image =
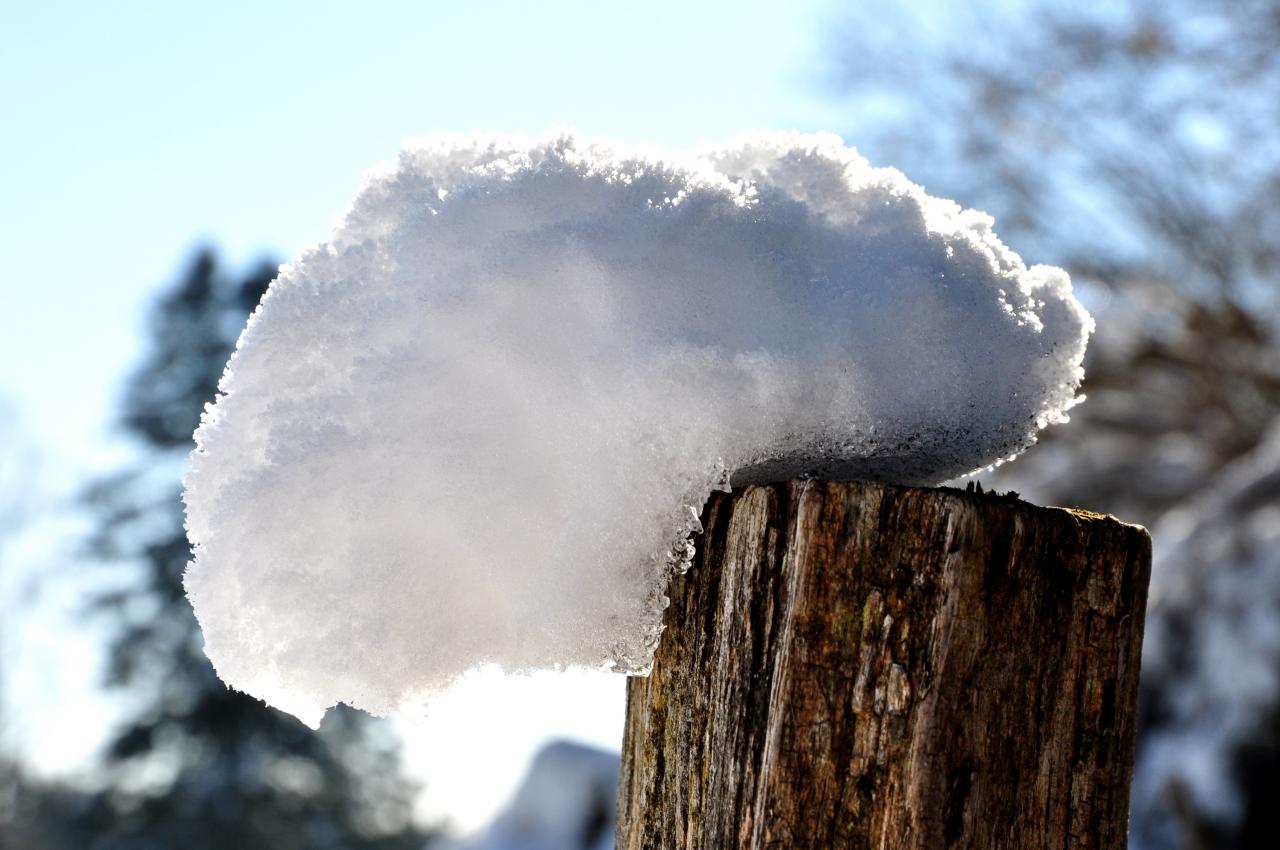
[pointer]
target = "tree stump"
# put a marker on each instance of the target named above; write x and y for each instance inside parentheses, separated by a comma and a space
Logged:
(851, 665)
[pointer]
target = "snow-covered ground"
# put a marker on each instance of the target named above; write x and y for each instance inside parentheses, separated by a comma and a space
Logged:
(566, 802)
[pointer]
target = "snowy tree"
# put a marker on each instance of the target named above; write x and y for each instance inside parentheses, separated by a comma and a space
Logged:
(1135, 144)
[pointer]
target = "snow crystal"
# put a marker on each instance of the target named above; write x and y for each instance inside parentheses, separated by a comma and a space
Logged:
(477, 424)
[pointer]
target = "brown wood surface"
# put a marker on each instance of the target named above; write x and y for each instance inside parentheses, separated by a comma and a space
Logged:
(851, 665)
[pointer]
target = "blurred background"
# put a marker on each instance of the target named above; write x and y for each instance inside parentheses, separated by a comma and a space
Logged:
(159, 162)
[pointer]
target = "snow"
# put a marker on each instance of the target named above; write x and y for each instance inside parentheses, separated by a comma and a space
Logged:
(1212, 650)
(567, 801)
(477, 424)
(1180, 435)
(472, 750)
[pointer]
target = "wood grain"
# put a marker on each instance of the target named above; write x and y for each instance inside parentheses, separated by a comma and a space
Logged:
(852, 665)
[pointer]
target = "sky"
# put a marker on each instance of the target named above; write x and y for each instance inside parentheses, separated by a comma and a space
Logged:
(135, 132)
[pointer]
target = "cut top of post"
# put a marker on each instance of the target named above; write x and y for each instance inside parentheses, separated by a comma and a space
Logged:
(858, 665)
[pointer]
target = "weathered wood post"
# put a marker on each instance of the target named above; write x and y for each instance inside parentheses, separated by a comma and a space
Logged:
(850, 665)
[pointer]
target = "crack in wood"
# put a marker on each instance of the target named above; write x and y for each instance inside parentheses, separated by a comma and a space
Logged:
(852, 665)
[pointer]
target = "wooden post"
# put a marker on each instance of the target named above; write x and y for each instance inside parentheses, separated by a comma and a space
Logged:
(850, 665)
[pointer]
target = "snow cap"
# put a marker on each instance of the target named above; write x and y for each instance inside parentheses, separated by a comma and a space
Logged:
(478, 423)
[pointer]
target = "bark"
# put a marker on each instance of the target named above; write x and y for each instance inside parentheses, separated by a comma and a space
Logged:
(851, 665)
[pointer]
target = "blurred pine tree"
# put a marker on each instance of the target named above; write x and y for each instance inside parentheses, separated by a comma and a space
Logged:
(198, 766)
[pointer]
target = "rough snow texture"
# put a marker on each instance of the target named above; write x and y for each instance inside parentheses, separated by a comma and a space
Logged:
(478, 423)
(1176, 436)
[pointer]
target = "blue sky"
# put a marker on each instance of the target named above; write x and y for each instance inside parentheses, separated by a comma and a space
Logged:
(137, 131)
